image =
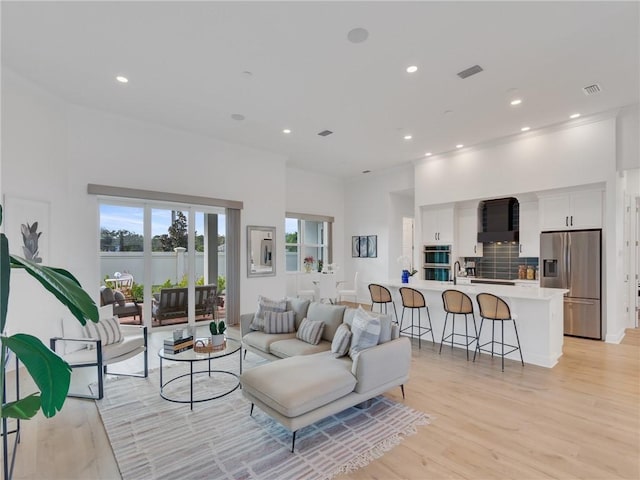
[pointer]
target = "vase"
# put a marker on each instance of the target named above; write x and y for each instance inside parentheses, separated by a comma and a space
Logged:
(217, 340)
(307, 268)
(405, 276)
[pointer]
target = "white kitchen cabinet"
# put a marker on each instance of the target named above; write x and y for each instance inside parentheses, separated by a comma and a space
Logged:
(437, 225)
(529, 230)
(467, 236)
(571, 211)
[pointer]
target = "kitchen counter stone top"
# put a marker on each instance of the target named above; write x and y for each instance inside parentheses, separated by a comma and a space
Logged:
(532, 292)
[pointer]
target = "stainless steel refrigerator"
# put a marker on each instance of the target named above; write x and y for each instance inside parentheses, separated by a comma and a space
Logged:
(572, 260)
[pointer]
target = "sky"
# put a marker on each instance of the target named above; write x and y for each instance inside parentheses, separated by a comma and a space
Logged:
(117, 217)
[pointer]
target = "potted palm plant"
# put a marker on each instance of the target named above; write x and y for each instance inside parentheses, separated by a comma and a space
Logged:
(51, 374)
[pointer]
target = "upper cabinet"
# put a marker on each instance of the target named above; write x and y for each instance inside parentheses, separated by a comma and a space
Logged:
(529, 230)
(571, 211)
(437, 225)
(467, 237)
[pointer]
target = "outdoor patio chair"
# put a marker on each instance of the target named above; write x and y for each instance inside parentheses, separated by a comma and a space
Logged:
(122, 306)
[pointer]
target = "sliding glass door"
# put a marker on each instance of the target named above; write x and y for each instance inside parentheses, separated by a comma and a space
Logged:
(175, 254)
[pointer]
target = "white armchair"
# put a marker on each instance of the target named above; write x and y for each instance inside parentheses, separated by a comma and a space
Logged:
(99, 352)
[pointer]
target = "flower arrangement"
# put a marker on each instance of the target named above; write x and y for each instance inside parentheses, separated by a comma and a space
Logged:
(308, 263)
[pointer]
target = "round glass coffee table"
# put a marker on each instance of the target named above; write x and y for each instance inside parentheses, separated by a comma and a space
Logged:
(192, 357)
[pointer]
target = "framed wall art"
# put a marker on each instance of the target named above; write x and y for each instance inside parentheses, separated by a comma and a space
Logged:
(27, 228)
(364, 246)
(372, 246)
(355, 246)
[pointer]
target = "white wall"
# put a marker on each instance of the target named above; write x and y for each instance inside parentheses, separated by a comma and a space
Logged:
(317, 194)
(628, 138)
(52, 150)
(583, 153)
(540, 161)
(372, 208)
(34, 152)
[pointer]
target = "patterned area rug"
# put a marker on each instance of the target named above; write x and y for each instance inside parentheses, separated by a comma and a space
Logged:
(153, 438)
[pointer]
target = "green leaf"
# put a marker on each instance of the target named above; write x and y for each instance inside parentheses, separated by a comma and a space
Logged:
(5, 272)
(24, 409)
(51, 374)
(63, 285)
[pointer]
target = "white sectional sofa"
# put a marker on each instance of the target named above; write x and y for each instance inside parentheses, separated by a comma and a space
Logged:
(308, 382)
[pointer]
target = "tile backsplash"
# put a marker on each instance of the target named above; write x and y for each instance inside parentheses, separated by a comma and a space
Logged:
(500, 261)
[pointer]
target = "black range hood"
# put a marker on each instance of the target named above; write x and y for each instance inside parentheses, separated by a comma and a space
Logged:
(498, 221)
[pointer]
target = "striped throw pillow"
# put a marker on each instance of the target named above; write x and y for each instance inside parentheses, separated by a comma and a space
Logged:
(366, 332)
(280, 322)
(310, 332)
(107, 330)
(341, 341)
(266, 305)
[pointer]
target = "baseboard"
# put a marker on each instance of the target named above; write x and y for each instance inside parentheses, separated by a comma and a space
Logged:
(616, 338)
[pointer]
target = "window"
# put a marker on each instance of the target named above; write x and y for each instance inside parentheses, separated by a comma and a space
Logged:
(307, 236)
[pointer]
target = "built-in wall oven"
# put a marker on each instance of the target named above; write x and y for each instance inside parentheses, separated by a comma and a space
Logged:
(437, 262)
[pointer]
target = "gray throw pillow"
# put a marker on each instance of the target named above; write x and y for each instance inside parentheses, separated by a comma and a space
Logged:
(310, 332)
(107, 296)
(266, 305)
(119, 298)
(280, 322)
(300, 307)
(366, 332)
(341, 341)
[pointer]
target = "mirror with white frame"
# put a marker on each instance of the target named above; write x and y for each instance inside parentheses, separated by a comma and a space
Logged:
(261, 251)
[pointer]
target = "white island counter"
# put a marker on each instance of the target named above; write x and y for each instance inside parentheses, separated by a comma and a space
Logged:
(540, 316)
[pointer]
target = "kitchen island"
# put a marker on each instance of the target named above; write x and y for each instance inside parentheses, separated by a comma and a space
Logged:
(540, 316)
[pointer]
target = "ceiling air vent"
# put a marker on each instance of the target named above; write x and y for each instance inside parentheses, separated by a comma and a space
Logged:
(325, 133)
(470, 71)
(591, 89)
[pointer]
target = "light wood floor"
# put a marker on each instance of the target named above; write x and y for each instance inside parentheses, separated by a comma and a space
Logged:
(577, 420)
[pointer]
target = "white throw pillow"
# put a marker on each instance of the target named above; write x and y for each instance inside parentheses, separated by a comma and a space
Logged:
(266, 305)
(341, 341)
(107, 330)
(310, 331)
(366, 332)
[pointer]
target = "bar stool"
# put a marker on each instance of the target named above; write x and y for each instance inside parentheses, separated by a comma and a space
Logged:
(496, 309)
(382, 296)
(457, 303)
(414, 300)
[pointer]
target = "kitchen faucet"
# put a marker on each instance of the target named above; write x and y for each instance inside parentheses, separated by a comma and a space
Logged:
(455, 274)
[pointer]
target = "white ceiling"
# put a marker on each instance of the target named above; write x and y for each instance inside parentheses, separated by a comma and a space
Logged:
(185, 62)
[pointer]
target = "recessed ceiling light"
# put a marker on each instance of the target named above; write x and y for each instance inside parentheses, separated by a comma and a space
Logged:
(286, 130)
(412, 69)
(516, 101)
(459, 145)
(122, 79)
(525, 129)
(575, 115)
(357, 35)
(408, 137)
(428, 154)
